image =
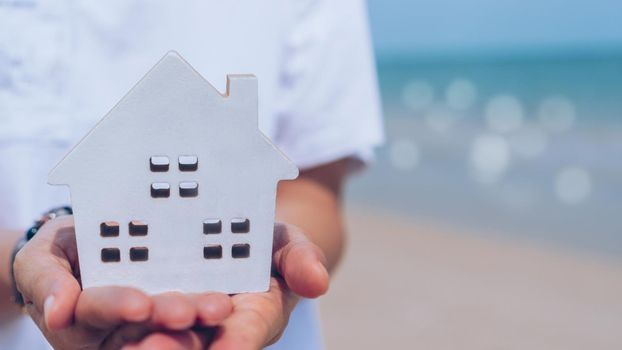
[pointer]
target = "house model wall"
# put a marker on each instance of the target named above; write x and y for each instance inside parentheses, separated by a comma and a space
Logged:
(175, 188)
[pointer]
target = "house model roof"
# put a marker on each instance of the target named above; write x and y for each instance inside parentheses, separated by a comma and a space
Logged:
(175, 105)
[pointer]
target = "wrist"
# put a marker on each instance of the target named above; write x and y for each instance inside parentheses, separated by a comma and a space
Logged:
(8, 240)
(8, 309)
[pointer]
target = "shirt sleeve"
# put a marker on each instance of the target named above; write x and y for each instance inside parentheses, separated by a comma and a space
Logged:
(329, 106)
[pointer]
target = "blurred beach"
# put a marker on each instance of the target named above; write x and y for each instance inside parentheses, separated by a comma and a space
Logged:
(407, 284)
(525, 147)
(491, 217)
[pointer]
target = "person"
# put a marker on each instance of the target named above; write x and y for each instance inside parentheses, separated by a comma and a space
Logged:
(63, 64)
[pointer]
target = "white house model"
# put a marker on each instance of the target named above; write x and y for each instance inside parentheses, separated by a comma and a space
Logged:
(175, 188)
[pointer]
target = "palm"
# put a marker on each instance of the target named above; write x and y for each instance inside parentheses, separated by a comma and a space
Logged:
(258, 319)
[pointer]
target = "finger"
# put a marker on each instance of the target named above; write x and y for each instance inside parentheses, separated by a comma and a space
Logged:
(177, 340)
(257, 320)
(174, 311)
(129, 333)
(212, 308)
(108, 307)
(44, 275)
(300, 262)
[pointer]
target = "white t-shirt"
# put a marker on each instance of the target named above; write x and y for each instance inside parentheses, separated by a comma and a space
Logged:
(65, 63)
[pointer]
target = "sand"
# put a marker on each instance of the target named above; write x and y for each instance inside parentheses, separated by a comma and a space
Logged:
(409, 285)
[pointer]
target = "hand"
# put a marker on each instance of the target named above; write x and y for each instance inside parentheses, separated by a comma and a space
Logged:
(47, 274)
(259, 319)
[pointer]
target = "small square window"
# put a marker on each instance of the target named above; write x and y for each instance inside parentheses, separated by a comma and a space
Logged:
(160, 190)
(159, 164)
(212, 226)
(188, 189)
(138, 228)
(139, 254)
(212, 252)
(188, 163)
(240, 225)
(109, 229)
(110, 255)
(241, 251)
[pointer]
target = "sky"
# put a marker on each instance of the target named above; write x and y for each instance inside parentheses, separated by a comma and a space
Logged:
(497, 26)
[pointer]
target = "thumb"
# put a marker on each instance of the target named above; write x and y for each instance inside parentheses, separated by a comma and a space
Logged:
(44, 277)
(299, 261)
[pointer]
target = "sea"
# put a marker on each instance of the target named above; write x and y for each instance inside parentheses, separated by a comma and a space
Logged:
(526, 148)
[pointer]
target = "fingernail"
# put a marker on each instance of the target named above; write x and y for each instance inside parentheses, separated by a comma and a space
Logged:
(47, 307)
(321, 268)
